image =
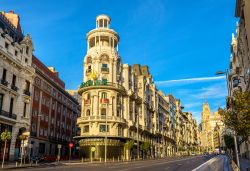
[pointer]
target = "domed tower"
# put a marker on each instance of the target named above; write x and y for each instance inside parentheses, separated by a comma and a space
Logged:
(102, 60)
(102, 116)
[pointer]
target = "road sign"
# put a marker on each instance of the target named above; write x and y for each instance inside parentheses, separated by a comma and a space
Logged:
(59, 146)
(71, 145)
(93, 149)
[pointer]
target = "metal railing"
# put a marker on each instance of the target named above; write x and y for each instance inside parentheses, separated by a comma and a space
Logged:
(8, 115)
(102, 118)
(4, 82)
(26, 92)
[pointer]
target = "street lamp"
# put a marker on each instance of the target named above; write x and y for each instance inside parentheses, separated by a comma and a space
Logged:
(234, 134)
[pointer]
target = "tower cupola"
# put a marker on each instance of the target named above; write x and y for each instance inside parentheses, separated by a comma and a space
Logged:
(103, 21)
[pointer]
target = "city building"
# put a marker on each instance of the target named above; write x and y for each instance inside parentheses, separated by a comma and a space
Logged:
(239, 75)
(54, 113)
(121, 104)
(16, 74)
(212, 129)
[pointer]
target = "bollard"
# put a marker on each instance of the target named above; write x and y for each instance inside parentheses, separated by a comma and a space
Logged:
(82, 159)
(16, 164)
(118, 158)
(36, 162)
(113, 159)
(100, 159)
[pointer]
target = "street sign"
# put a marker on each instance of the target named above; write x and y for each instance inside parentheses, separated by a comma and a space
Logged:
(71, 145)
(59, 146)
(93, 149)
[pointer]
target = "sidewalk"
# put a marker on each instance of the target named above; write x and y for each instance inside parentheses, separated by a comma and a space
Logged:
(244, 164)
(14, 165)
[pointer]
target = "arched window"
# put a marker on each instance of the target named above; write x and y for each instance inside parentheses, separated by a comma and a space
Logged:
(104, 95)
(87, 112)
(88, 96)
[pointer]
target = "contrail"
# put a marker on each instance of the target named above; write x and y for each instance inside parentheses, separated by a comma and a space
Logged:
(190, 80)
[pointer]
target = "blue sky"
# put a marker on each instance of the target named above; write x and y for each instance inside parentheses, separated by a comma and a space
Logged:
(177, 40)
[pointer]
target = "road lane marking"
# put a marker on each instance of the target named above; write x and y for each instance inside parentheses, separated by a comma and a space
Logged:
(158, 164)
(206, 163)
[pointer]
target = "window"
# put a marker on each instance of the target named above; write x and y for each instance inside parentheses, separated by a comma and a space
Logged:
(27, 50)
(235, 82)
(6, 45)
(41, 131)
(11, 105)
(24, 109)
(103, 111)
(104, 65)
(88, 112)
(88, 96)
(85, 128)
(120, 131)
(27, 85)
(14, 80)
(26, 60)
(104, 95)
(4, 74)
(1, 102)
(41, 148)
(33, 128)
(102, 128)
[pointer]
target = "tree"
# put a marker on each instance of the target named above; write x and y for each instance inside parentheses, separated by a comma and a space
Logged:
(128, 146)
(5, 136)
(229, 141)
(237, 115)
(145, 146)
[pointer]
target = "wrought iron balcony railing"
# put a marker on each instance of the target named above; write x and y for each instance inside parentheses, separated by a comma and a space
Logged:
(26, 92)
(13, 87)
(8, 115)
(4, 82)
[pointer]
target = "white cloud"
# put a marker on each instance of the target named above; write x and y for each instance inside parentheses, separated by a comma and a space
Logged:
(189, 81)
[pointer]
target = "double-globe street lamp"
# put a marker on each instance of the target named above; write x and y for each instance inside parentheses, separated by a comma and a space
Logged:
(229, 95)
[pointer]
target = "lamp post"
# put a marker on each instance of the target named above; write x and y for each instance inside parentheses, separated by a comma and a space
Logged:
(234, 134)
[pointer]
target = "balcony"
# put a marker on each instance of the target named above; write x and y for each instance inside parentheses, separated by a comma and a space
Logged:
(104, 70)
(86, 119)
(8, 115)
(101, 84)
(104, 101)
(13, 87)
(26, 92)
(4, 82)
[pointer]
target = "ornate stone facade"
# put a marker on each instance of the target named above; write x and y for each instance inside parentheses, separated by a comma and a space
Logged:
(121, 102)
(16, 76)
(212, 129)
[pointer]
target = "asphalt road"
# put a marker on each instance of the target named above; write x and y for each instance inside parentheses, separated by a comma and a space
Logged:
(170, 164)
(218, 163)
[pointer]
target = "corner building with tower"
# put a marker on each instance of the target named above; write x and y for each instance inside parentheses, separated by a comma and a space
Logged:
(121, 104)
